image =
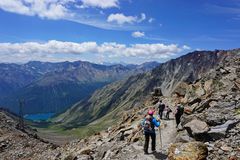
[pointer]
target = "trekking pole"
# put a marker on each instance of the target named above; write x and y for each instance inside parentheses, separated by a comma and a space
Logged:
(160, 134)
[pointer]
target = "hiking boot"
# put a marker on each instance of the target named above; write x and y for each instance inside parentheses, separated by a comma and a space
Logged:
(146, 152)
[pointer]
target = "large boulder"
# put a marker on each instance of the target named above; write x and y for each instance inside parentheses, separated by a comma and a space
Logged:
(199, 90)
(208, 86)
(181, 89)
(188, 151)
(196, 127)
(204, 105)
(157, 91)
(188, 118)
(220, 131)
(218, 115)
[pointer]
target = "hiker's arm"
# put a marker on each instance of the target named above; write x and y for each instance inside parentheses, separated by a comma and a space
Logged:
(156, 123)
(176, 110)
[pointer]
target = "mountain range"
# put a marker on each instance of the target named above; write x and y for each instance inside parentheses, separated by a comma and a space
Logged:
(53, 87)
(105, 106)
(206, 83)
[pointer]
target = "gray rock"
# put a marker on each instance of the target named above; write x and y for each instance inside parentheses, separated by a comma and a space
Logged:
(214, 116)
(83, 157)
(196, 127)
(204, 105)
(194, 101)
(220, 131)
(188, 118)
(183, 137)
(220, 151)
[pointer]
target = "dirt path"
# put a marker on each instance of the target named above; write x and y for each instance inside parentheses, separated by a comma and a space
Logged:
(168, 136)
(168, 133)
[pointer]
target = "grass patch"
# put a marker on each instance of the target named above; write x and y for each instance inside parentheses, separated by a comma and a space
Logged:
(80, 131)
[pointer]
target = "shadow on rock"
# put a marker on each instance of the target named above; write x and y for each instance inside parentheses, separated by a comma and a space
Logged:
(170, 119)
(159, 155)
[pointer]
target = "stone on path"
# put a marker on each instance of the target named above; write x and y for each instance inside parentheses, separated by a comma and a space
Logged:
(188, 151)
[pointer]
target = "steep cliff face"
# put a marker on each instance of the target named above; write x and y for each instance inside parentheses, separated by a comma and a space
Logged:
(212, 112)
(107, 104)
(187, 68)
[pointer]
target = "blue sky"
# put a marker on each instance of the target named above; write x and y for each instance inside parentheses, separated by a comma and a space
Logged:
(130, 31)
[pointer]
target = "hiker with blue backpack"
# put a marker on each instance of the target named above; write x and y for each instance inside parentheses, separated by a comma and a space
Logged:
(149, 123)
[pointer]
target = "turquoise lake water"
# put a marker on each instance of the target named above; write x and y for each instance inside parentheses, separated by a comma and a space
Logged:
(38, 117)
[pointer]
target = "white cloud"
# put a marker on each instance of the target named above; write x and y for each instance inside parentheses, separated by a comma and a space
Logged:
(51, 47)
(100, 3)
(151, 20)
(50, 9)
(138, 34)
(142, 18)
(186, 47)
(121, 19)
(69, 10)
(51, 50)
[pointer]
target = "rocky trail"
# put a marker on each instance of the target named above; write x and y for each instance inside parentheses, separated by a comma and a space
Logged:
(168, 136)
(210, 127)
(169, 133)
(104, 146)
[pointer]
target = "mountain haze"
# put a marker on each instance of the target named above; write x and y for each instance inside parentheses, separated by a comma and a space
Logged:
(53, 87)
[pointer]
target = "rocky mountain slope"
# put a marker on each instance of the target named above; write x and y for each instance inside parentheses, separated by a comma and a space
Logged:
(209, 128)
(105, 106)
(17, 144)
(52, 87)
(213, 110)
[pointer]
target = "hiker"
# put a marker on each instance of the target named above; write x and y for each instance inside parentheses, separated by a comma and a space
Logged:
(168, 111)
(178, 114)
(161, 107)
(149, 123)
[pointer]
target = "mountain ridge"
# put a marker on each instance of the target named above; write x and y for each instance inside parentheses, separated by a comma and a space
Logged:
(107, 104)
(61, 84)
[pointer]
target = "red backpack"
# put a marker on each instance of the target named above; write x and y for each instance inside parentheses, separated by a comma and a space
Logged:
(148, 124)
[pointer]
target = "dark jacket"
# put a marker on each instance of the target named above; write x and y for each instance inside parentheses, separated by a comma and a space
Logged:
(161, 107)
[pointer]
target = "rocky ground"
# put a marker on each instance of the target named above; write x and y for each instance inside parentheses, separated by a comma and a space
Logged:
(210, 127)
(213, 111)
(120, 142)
(16, 144)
